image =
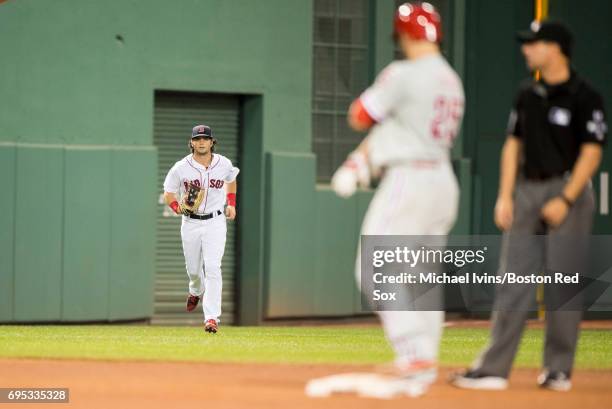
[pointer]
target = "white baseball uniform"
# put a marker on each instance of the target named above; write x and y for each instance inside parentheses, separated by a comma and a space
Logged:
(204, 240)
(418, 105)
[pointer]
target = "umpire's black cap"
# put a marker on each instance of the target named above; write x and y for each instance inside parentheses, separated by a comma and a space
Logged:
(550, 31)
(201, 131)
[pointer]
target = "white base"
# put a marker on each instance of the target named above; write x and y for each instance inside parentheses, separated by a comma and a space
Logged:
(369, 385)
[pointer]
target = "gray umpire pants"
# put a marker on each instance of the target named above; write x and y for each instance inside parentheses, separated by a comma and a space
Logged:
(561, 249)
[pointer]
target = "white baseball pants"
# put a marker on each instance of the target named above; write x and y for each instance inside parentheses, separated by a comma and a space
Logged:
(203, 247)
(413, 200)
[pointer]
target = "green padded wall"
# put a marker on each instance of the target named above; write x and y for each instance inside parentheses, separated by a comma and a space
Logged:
(82, 251)
(7, 230)
(290, 248)
(336, 238)
(311, 242)
(97, 87)
(86, 249)
(132, 240)
(39, 218)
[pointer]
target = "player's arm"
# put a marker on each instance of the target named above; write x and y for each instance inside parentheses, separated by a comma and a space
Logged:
(169, 197)
(378, 101)
(355, 169)
(231, 186)
(373, 106)
(504, 207)
(358, 117)
(360, 120)
(230, 209)
(172, 202)
(172, 184)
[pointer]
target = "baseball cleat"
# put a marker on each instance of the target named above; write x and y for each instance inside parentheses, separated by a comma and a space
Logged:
(192, 302)
(554, 381)
(211, 326)
(473, 380)
(424, 371)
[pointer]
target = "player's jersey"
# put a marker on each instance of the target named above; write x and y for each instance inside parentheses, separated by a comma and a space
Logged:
(188, 170)
(418, 105)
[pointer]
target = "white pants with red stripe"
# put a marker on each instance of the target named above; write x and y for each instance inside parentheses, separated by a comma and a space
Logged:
(413, 200)
(203, 247)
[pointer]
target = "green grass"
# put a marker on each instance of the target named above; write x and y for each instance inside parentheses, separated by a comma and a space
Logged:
(267, 344)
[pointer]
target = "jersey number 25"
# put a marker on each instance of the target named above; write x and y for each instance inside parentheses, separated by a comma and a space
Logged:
(447, 114)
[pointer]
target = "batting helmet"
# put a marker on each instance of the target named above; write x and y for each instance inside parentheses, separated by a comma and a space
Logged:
(420, 21)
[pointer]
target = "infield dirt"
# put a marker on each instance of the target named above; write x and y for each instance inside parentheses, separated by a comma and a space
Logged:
(105, 384)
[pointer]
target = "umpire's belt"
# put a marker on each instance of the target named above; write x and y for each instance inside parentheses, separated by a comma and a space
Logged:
(206, 216)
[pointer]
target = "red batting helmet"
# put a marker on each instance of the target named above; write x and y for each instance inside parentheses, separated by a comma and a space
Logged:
(420, 21)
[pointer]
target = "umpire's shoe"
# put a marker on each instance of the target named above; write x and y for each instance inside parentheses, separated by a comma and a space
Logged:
(211, 326)
(471, 379)
(555, 381)
(192, 302)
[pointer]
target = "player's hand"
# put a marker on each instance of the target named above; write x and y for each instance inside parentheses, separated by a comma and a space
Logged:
(344, 181)
(359, 163)
(504, 213)
(554, 211)
(179, 208)
(183, 210)
(230, 212)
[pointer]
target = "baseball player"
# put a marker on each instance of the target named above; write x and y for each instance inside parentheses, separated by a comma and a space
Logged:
(203, 228)
(413, 112)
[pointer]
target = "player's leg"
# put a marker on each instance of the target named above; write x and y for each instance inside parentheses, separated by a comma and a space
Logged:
(568, 248)
(401, 207)
(376, 220)
(191, 235)
(441, 214)
(432, 213)
(213, 242)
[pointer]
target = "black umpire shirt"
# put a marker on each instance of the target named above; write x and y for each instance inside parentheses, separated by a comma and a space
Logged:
(553, 121)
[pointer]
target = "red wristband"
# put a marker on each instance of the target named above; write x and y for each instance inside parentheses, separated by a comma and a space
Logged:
(231, 199)
(174, 206)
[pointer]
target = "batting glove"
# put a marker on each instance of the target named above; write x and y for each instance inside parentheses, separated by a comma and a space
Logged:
(344, 181)
(354, 171)
(358, 161)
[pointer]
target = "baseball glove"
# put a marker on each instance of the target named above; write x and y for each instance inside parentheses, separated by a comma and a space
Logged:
(192, 199)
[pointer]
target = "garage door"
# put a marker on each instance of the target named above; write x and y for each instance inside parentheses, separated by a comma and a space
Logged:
(175, 114)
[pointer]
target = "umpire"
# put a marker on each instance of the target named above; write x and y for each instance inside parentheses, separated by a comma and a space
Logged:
(556, 132)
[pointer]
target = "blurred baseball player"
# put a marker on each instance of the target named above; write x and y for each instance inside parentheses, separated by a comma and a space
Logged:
(413, 112)
(203, 228)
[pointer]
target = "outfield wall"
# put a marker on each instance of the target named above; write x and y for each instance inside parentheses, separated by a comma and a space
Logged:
(76, 116)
